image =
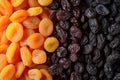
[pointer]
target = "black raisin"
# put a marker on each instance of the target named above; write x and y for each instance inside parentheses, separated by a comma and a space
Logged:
(102, 10)
(61, 52)
(73, 48)
(91, 69)
(75, 76)
(87, 49)
(92, 39)
(65, 5)
(90, 12)
(76, 12)
(66, 63)
(114, 29)
(62, 34)
(93, 23)
(65, 25)
(75, 2)
(55, 69)
(100, 41)
(73, 57)
(63, 15)
(79, 67)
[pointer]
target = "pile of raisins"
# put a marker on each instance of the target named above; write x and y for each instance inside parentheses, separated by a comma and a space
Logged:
(89, 36)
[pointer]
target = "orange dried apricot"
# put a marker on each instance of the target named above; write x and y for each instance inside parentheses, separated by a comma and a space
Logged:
(39, 56)
(46, 27)
(35, 40)
(14, 32)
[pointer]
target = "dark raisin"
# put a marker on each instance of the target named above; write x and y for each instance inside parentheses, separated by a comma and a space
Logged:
(75, 76)
(92, 39)
(90, 12)
(88, 59)
(61, 52)
(63, 15)
(73, 40)
(76, 12)
(104, 25)
(65, 62)
(65, 5)
(114, 29)
(79, 67)
(55, 69)
(87, 49)
(84, 40)
(62, 34)
(96, 56)
(114, 43)
(75, 32)
(75, 2)
(102, 10)
(108, 70)
(53, 15)
(65, 25)
(93, 24)
(91, 69)
(106, 51)
(73, 48)
(73, 57)
(100, 41)
(54, 58)
(74, 21)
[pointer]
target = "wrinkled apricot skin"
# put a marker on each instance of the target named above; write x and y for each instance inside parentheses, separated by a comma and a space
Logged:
(46, 27)
(19, 16)
(26, 56)
(39, 56)
(31, 22)
(12, 52)
(35, 40)
(19, 69)
(34, 11)
(14, 32)
(34, 74)
(7, 72)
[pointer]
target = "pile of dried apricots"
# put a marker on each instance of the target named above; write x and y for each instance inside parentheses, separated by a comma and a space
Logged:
(25, 30)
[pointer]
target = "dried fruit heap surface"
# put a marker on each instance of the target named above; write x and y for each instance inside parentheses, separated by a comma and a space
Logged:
(89, 35)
